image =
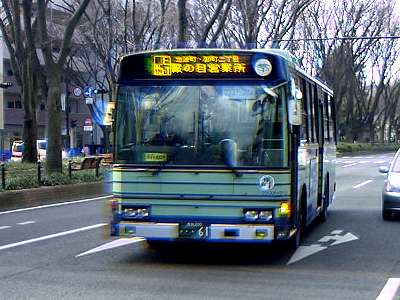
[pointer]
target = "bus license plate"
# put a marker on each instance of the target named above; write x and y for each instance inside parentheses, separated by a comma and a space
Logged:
(193, 230)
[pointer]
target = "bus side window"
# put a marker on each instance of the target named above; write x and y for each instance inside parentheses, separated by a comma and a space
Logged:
(327, 124)
(313, 116)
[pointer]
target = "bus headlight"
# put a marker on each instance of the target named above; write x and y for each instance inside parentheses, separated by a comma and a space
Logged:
(134, 212)
(257, 215)
(251, 215)
(265, 215)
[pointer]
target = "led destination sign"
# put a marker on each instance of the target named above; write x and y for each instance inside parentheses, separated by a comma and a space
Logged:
(168, 65)
(200, 64)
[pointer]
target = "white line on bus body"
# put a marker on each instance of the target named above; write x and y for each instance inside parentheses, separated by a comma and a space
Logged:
(390, 289)
(361, 184)
(353, 164)
(55, 204)
(4, 227)
(46, 237)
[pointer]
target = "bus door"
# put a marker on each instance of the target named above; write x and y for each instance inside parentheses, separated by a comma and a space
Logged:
(319, 103)
(313, 151)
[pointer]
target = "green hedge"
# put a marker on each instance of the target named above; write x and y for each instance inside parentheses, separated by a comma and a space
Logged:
(24, 175)
(365, 147)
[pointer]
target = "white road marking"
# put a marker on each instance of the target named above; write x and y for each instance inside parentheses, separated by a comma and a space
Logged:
(361, 184)
(335, 236)
(305, 251)
(4, 227)
(337, 232)
(55, 204)
(26, 223)
(363, 162)
(353, 164)
(112, 245)
(390, 289)
(338, 239)
(46, 237)
(379, 162)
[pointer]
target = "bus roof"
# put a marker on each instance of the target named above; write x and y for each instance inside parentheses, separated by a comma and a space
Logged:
(290, 59)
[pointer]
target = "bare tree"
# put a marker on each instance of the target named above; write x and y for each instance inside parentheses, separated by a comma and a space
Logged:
(54, 66)
(19, 36)
(345, 62)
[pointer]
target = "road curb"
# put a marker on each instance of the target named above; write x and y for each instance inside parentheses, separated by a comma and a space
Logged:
(51, 194)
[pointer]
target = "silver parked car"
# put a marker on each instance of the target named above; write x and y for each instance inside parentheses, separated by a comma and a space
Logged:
(391, 189)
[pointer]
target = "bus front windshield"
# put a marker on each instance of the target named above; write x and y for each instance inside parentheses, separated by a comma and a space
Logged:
(236, 125)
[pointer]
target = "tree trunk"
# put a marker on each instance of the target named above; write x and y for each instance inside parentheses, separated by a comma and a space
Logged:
(183, 23)
(53, 157)
(29, 135)
(106, 134)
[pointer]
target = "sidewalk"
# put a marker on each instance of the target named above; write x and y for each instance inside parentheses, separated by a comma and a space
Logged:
(52, 194)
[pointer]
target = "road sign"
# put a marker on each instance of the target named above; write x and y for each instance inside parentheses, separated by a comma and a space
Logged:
(89, 100)
(88, 91)
(77, 91)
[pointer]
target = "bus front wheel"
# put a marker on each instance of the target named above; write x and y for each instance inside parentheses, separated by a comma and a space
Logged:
(295, 240)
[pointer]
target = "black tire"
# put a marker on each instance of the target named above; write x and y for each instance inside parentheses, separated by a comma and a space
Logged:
(295, 240)
(386, 215)
(323, 215)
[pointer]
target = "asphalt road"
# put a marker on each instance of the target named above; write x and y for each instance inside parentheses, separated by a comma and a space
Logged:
(43, 254)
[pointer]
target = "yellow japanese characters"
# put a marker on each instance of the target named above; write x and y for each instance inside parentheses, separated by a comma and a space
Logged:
(168, 65)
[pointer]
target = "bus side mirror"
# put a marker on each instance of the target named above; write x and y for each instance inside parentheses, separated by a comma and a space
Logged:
(295, 116)
(294, 106)
(109, 113)
(229, 152)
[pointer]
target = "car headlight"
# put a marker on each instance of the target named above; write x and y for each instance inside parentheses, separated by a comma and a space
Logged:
(392, 188)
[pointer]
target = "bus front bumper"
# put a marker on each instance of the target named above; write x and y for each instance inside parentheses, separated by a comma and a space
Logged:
(195, 231)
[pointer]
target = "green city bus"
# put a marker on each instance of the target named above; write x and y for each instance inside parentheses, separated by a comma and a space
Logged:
(218, 145)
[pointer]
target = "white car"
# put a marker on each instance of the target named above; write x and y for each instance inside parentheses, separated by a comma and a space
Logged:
(41, 146)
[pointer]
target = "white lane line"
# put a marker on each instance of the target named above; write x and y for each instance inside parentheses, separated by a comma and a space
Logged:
(55, 204)
(361, 184)
(346, 166)
(390, 289)
(4, 227)
(363, 162)
(46, 237)
(26, 223)
(379, 162)
(112, 245)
